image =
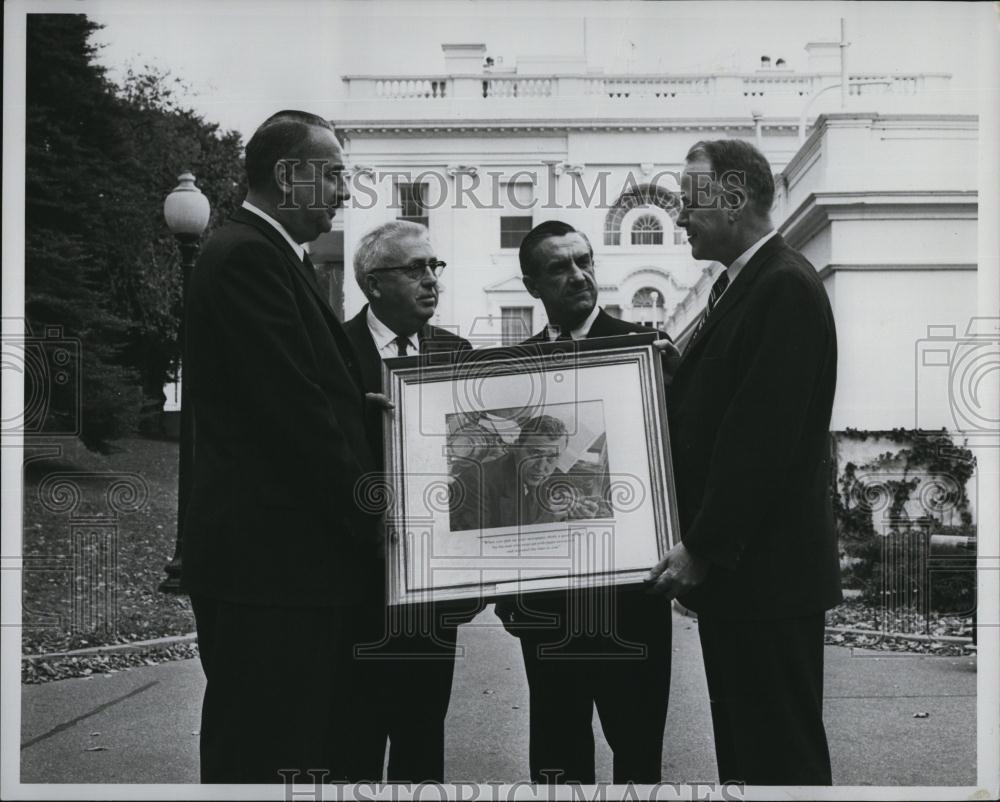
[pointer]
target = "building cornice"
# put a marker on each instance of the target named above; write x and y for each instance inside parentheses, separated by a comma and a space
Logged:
(852, 119)
(962, 267)
(820, 208)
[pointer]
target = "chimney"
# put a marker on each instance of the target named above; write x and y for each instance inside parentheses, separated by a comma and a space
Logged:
(464, 59)
(824, 57)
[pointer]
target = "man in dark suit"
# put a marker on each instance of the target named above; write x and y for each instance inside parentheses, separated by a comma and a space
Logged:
(749, 411)
(408, 657)
(274, 541)
(609, 648)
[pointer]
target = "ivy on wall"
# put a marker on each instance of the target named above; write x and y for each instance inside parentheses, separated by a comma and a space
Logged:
(928, 471)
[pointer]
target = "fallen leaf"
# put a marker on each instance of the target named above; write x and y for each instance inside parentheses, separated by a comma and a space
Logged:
(96, 749)
(921, 715)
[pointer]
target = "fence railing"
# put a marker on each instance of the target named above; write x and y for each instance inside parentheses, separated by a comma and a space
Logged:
(618, 88)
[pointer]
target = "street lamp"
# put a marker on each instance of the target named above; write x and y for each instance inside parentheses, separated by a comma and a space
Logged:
(186, 211)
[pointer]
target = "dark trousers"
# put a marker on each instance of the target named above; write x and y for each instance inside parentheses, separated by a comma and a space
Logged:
(406, 664)
(623, 670)
(765, 683)
(277, 682)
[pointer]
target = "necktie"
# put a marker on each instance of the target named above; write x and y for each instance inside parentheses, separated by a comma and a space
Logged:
(718, 288)
(402, 343)
(310, 269)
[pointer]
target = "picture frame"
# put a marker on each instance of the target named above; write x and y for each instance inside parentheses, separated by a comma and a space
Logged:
(528, 468)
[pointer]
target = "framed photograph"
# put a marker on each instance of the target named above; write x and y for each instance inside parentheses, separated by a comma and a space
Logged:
(527, 468)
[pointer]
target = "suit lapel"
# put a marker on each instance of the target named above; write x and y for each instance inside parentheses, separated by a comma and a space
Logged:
(308, 275)
(732, 296)
(371, 362)
(603, 326)
(307, 272)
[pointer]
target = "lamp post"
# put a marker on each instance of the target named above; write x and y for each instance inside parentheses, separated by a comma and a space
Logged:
(186, 211)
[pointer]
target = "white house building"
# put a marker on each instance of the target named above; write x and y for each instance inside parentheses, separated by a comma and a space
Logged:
(481, 155)
(876, 185)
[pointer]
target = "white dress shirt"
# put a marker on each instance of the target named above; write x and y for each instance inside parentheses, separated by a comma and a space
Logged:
(741, 261)
(385, 338)
(299, 249)
(581, 331)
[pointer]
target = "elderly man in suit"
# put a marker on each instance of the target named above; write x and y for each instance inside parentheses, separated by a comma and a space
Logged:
(609, 648)
(749, 412)
(274, 541)
(408, 659)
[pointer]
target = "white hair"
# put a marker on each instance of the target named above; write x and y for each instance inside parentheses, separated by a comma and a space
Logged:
(377, 245)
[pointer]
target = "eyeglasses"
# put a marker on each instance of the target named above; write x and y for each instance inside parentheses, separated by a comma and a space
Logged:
(417, 270)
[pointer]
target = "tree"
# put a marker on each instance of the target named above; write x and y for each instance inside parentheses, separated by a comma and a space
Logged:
(69, 123)
(161, 140)
(99, 261)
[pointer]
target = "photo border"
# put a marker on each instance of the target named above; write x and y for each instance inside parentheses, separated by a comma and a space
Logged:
(536, 359)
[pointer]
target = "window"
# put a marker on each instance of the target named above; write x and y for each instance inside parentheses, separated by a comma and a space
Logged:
(647, 230)
(413, 203)
(647, 308)
(516, 199)
(643, 196)
(680, 236)
(516, 323)
(513, 229)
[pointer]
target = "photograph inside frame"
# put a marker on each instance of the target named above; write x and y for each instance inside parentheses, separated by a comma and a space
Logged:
(525, 466)
(527, 470)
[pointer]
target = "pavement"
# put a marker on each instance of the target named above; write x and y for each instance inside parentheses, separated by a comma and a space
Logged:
(141, 725)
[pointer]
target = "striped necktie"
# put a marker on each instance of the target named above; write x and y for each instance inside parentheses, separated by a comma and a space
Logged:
(718, 288)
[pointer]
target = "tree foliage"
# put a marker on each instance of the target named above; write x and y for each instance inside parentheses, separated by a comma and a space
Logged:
(99, 261)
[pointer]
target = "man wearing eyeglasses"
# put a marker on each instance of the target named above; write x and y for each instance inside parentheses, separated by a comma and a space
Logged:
(409, 661)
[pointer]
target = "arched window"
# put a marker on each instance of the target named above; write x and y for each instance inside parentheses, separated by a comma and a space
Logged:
(647, 230)
(641, 196)
(647, 307)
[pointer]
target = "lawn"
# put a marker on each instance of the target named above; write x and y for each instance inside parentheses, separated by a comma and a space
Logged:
(97, 533)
